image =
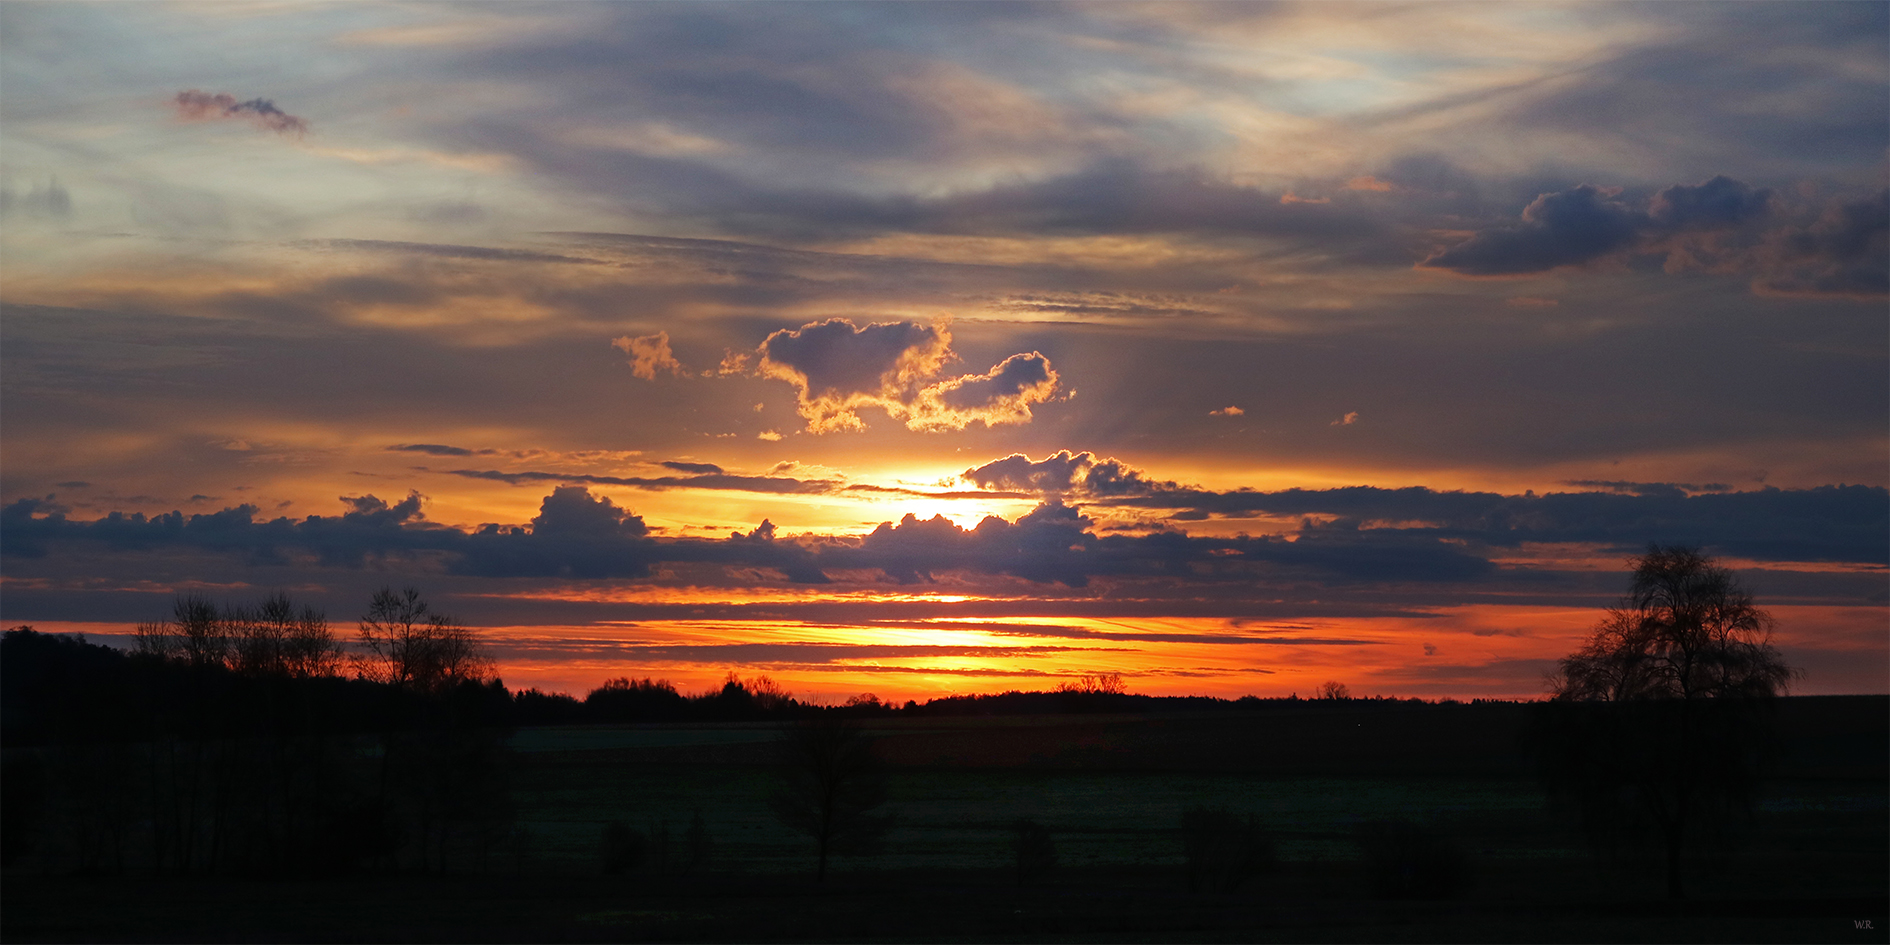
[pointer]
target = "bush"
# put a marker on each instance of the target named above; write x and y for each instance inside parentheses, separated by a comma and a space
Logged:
(1223, 848)
(1406, 861)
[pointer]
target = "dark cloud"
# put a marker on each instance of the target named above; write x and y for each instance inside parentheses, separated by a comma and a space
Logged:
(693, 468)
(578, 535)
(769, 484)
(1826, 523)
(809, 653)
(1719, 204)
(1671, 489)
(575, 534)
(1722, 225)
(1557, 229)
(446, 251)
(1845, 253)
(1062, 473)
(432, 449)
(193, 105)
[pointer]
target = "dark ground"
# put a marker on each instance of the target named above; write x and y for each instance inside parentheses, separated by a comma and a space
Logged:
(1813, 862)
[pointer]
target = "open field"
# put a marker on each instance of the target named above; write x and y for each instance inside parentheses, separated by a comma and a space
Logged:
(1111, 789)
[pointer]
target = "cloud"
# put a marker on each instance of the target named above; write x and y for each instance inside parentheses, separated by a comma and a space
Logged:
(765, 484)
(1064, 473)
(446, 251)
(1229, 411)
(999, 396)
(1557, 229)
(838, 369)
(650, 354)
(193, 105)
(1826, 523)
(1345, 421)
(432, 449)
(1722, 225)
(50, 200)
(1719, 204)
(1647, 488)
(1846, 252)
(694, 468)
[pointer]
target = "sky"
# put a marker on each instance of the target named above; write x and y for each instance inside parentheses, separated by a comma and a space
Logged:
(928, 348)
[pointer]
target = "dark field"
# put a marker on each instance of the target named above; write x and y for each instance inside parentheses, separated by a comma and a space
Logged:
(1813, 862)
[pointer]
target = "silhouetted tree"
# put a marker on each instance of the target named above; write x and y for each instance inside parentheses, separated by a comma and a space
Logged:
(831, 783)
(1334, 690)
(632, 700)
(273, 638)
(1659, 726)
(1098, 684)
(406, 644)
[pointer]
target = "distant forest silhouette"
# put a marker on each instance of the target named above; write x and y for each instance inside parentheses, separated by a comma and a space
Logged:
(249, 739)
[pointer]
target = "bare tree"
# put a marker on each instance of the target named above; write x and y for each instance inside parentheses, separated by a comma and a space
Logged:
(832, 783)
(1332, 689)
(274, 638)
(201, 632)
(1659, 725)
(1102, 684)
(406, 644)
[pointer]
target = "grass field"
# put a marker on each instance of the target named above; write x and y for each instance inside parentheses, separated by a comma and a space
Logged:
(1813, 862)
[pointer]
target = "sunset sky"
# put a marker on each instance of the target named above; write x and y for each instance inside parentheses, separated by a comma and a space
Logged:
(937, 348)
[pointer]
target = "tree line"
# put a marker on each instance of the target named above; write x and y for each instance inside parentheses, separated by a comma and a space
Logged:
(249, 738)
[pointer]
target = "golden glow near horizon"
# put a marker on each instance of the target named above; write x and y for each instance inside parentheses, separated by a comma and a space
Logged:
(1445, 655)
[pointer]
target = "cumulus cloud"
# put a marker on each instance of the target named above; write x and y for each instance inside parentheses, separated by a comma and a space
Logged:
(1557, 229)
(575, 534)
(1720, 203)
(193, 105)
(838, 369)
(1722, 225)
(1064, 473)
(650, 354)
(1345, 421)
(1228, 411)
